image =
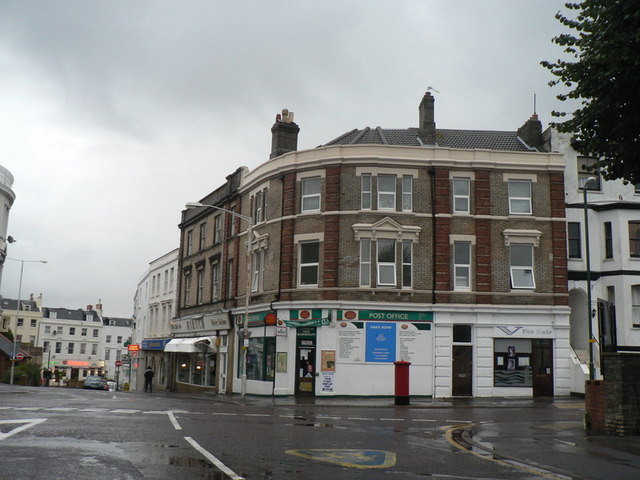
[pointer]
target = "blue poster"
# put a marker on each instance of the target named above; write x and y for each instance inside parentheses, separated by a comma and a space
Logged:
(381, 342)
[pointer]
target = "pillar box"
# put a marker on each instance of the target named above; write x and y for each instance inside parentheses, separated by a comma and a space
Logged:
(401, 382)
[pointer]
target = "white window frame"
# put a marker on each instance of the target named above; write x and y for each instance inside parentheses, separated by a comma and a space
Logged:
(407, 266)
(365, 262)
(308, 265)
(464, 198)
(215, 283)
(200, 287)
(461, 268)
(83, 349)
(189, 242)
(187, 288)
(309, 200)
(383, 267)
(407, 193)
(635, 306)
(386, 194)
(201, 244)
(259, 206)
(217, 229)
(523, 269)
(257, 268)
(519, 200)
(365, 191)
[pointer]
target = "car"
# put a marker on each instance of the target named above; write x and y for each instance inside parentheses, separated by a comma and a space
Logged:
(94, 382)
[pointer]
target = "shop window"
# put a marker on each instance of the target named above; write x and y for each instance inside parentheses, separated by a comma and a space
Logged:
(461, 197)
(311, 188)
(519, 197)
(521, 266)
(574, 240)
(386, 192)
(260, 359)
(512, 363)
(365, 189)
(309, 263)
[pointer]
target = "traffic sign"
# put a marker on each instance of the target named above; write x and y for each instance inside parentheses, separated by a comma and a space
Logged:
(118, 363)
(19, 356)
(134, 347)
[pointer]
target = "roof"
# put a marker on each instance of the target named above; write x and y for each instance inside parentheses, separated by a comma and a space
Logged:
(11, 304)
(117, 322)
(68, 314)
(448, 138)
(6, 346)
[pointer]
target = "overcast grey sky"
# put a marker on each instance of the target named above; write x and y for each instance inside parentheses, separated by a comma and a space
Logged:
(116, 113)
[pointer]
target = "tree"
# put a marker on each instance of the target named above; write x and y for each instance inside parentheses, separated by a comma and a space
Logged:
(605, 79)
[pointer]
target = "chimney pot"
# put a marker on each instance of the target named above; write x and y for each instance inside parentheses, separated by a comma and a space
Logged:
(427, 123)
(284, 134)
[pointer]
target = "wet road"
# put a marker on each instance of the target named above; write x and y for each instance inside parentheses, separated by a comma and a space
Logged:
(51, 433)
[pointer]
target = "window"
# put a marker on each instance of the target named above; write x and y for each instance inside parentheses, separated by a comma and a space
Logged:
(461, 198)
(166, 282)
(365, 191)
(200, 286)
(34, 322)
(634, 238)
(118, 355)
(257, 267)
(89, 318)
(512, 362)
(119, 339)
(309, 263)
(259, 206)
(189, 246)
(53, 314)
(45, 346)
(407, 193)
(32, 339)
(107, 354)
(215, 282)
(386, 192)
(584, 175)
(58, 347)
(462, 333)
(95, 332)
(20, 322)
(461, 265)
(519, 196)
(386, 262)
(365, 262)
(407, 264)
(203, 234)
(47, 329)
(171, 279)
(108, 340)
(311, 188)
(261, 353)
(94, 349)
(635, 306)
(574, 240)
(217, 229)
(230, 278)
(18, 338)
(608, 240)
(83, 348)
(72, 330)
(521, 262)
(187, 288)
(70, 347)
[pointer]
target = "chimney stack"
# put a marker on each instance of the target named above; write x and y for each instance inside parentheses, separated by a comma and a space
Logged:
(531, 132)
(427, 126)
(284, 134)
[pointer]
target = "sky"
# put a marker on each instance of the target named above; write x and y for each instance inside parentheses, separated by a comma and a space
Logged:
(114, 114)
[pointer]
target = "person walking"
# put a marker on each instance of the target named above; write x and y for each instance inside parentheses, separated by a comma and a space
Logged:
(148, 380)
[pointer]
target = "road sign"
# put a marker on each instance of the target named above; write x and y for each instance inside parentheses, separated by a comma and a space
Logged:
(118, 363)
(19, 356)
(134, 347)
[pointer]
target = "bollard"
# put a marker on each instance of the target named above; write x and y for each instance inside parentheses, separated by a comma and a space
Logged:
(401, 382)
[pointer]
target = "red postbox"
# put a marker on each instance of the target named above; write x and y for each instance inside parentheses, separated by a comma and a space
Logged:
(402, 382)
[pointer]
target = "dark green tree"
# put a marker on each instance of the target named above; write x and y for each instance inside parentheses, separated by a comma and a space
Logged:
(603, 75)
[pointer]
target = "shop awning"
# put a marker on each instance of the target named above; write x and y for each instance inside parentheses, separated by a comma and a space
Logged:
(192, 345)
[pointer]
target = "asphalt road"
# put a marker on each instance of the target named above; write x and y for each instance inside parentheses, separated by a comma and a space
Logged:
(57, 433)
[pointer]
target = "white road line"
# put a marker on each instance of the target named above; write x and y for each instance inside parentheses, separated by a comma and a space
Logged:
(392, 419)
(125, 410)
(175, 423)
(92, 409)
(223, 413)
(28, 423)
(257, 414)
(221, 466)
(359, 418)
(59, 409)
(458, 421)
(327, 417)
(423, 420)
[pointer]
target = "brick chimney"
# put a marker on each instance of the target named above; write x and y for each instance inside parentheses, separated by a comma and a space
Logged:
(531, 132)
(427, 126)
(284, 134)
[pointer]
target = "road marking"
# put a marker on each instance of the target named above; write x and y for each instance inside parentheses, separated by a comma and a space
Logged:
(125, 410)
(92, 409)
(59, 409)
(28, 423)
(223, 413)
(458, 421)
(221, 466)
(175, 423)
(392, 419)
(325, 417)
(349, 457)
(423, 420)
(257, 414)
(359, 418)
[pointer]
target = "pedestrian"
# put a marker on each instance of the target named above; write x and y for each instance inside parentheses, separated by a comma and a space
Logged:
(148, 379)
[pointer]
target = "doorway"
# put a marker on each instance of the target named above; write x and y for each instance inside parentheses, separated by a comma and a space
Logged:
(542, 365)
(305, 361)
(462, 371)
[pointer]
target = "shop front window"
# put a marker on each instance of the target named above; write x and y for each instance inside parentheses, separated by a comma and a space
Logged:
(184, 368)
(512, 363)
(192, 369)
(260, 359)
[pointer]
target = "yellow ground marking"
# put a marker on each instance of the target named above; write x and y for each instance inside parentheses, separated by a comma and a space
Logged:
(347, 457)
(449, 438)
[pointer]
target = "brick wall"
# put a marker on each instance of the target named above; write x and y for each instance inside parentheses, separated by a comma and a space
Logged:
(622, 393)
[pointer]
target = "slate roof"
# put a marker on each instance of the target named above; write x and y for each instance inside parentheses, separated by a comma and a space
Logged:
(68, 314)
(11, 304)
(117, 322)
(467, 139)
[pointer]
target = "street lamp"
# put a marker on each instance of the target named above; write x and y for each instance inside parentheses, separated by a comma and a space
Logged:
(245, 323)
(13, 356)
(589, 182)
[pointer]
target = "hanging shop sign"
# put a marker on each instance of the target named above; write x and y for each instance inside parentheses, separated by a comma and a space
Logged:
(314, 322)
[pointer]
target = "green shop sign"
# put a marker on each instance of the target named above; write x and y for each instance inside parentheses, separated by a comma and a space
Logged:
(386, 315)
(314, 322)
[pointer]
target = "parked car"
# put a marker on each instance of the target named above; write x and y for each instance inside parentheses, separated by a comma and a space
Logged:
(94, 382)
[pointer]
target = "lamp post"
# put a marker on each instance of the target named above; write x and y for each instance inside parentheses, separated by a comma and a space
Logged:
(13, 356)
(591, 181)
(245, 323)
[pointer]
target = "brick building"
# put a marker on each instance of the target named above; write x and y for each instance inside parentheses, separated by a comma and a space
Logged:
(444, 248)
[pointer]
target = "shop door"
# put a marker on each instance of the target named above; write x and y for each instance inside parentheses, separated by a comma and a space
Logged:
(306, 361)
(462, 384)
(542, 365)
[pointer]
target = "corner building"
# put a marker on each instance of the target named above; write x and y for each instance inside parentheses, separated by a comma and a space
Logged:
(444, 248)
